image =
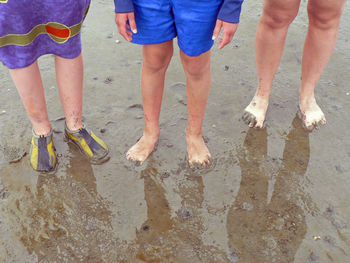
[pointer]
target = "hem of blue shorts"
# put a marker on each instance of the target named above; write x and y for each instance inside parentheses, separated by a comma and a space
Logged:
(35, 58)
(153, 41)
(195, 54)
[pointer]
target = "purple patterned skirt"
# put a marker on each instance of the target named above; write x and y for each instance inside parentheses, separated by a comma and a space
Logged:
(32, 28)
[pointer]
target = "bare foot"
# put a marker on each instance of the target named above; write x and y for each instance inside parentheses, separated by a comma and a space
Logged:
(311, 114)
(197, 150)
(143, 148)
(255, 113)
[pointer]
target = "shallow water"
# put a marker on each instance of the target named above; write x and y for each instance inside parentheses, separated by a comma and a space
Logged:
(277, 195)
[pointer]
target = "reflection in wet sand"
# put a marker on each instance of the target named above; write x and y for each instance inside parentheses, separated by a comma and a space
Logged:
(65, 220)
(263, 230)
(162, 238)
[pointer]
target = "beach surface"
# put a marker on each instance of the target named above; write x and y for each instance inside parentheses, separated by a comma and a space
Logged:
(276, 195)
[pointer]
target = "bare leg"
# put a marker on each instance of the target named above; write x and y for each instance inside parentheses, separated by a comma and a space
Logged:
(198, 83)
(156, 59)
(324, 18)
(30, 87)
(69, 73)
(270, 38)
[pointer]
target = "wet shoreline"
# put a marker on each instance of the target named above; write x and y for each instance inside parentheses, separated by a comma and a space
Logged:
(277, 195)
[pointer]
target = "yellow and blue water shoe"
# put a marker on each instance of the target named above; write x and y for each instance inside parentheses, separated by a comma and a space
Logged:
(42, 153)
(89, 144)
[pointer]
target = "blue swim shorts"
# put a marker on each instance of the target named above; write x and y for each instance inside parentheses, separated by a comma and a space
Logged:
(192, 21)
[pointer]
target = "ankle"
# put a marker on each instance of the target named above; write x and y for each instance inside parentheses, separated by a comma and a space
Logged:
(193, 132)
(306, 100)
(151, 130)
(74, 125)
(261, 97)
(263, 93)
(42, 131)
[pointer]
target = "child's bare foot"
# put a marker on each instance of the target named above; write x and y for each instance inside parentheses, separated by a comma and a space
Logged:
(144, 147)
(255, 113)
(311, 114)
(197, 150)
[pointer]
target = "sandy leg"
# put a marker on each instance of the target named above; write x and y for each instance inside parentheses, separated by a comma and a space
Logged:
(270, 38)
(324, 19)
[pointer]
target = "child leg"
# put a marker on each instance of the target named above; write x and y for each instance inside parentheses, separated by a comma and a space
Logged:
(156, 59)
(30, 88)
(69, 73)
(198, 83)
(29, 85)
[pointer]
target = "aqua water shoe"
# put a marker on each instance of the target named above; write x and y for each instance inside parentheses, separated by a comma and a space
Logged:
(89, 144)
(42, 153)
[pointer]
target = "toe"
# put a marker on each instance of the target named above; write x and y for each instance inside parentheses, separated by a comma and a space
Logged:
(207, 161)
(246, 117)
(252, 122)
(191, 163)
(322, 121)
(252, 119)
(259, 124)
(309, 127)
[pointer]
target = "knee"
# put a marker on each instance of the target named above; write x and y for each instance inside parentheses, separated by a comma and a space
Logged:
(324, 18)
(277, 19)
(195, 67)
(157, 62)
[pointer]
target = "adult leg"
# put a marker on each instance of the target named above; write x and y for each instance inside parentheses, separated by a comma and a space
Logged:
(198, 73)
(270, 38)
(324, 19)
(69, 74)
(156, 59)
(30, 88)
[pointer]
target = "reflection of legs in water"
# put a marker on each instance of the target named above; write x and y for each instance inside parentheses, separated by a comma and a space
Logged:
(158, 212)
(287, 217)
(296, 152)
(175, 239)
(245, 217)
(258, 229)
(67, 220)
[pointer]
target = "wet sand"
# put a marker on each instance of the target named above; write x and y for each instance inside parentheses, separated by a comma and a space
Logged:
(277, 195)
